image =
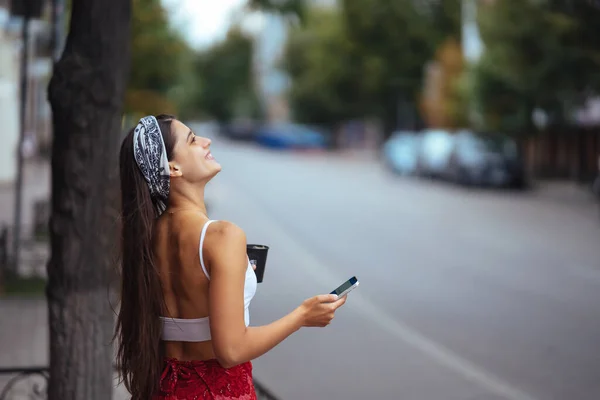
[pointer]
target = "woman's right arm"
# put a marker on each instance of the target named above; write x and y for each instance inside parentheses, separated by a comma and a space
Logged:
(233, 342)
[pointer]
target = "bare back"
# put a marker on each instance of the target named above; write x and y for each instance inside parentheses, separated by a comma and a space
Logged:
(185, 286)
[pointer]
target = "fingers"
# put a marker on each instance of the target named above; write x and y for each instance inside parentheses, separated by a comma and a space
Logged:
(326, 298)
(340, 302)
(335, 301)
(324, 307)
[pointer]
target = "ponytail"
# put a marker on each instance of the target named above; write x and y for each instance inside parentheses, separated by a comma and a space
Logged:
(138, 329)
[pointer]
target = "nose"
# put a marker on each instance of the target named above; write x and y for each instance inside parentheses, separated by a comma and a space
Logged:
(206, 142)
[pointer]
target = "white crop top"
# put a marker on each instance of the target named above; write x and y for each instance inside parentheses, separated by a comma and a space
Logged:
(198, 329)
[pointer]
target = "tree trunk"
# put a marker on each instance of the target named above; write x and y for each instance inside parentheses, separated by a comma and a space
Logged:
(86, 94)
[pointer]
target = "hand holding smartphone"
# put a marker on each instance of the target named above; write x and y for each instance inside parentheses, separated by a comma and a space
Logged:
(320, 310)
(346, 287)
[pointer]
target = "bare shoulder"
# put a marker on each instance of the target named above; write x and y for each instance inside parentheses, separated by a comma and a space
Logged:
(225, 231)
(225, 244)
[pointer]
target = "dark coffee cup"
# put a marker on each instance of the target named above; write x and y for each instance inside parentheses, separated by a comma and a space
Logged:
(257, 253)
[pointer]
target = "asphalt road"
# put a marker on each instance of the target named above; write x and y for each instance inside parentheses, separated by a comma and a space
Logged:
(464, 295)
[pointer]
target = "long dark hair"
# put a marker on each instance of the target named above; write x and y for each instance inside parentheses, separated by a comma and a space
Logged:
(138, 329)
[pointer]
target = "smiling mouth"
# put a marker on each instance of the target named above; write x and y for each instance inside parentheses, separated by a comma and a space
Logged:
(209, 156)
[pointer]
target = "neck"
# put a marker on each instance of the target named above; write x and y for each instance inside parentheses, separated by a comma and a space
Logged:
(190, 199)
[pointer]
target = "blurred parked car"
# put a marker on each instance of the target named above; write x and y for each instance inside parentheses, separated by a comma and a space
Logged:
(400, 152)
(241, 129)
(434, 153)
(485, 160)
(290, 136)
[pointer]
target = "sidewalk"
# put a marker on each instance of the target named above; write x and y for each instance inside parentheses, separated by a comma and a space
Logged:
(24, 342)
(36, 186)
(564, 192)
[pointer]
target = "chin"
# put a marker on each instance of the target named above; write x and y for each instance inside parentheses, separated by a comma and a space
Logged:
(215, 170)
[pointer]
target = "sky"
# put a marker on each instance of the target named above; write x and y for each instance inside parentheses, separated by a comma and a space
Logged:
(204, 21)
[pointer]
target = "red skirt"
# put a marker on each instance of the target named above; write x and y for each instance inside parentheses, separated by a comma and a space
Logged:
(199, 380)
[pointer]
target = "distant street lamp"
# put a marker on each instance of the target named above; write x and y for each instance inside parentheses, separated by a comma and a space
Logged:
(26, 9)
(58, 28)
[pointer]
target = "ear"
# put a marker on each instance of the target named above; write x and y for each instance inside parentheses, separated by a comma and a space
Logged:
(174, 170)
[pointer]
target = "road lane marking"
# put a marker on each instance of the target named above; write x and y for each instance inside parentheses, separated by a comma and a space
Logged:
(411, 337)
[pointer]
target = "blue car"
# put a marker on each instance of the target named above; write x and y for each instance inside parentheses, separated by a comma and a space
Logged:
(290, 136)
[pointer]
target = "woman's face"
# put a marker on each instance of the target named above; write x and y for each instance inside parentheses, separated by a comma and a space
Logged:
(192, 159)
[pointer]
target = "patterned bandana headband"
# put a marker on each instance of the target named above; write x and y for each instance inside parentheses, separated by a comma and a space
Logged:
(151, 157)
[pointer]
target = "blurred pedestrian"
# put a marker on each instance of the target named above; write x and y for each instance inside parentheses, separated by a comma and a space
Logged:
(183, 325)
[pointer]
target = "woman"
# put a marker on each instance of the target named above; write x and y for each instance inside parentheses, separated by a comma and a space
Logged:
(183, 324)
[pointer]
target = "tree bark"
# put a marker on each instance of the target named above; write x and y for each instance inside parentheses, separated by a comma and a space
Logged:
(86, 94)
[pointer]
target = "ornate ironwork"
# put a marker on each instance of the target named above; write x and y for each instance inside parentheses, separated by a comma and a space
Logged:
(261, 392)
(38, 390)
(33, 388)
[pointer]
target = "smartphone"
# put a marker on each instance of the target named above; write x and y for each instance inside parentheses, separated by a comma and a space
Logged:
(346, 287)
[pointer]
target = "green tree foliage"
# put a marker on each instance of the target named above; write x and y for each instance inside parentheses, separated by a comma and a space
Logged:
(160, 60)
(168, 76)
(225, 84)
(538, 54)
(365, 57)
(296, 8)
(327, 86)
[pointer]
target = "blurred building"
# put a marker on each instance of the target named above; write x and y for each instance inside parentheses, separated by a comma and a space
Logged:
(9, 96)
(37, 110)
(272, 81)
(568, 154)
(472, 46)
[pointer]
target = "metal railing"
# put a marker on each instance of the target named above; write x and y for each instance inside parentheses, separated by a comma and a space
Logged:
(31, 382)
(29, 388)
(34, 389)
